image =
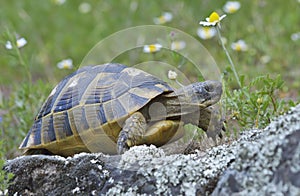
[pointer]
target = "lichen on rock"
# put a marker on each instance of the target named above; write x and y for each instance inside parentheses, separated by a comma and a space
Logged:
(268, 165)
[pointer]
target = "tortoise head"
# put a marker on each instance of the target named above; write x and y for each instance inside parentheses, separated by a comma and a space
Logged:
(202, 94)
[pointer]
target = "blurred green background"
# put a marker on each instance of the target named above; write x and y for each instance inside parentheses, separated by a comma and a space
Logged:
(55, 31)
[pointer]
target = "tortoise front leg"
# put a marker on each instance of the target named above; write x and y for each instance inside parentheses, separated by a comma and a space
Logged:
(209, 121)
(132, 132)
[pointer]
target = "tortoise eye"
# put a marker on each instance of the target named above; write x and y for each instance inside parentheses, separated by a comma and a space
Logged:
(207, 88)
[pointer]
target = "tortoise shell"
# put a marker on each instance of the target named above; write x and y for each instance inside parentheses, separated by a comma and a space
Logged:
(86, 110)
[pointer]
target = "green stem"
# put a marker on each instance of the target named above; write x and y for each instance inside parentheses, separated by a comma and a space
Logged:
(13, 40)
(273, 102)
(257, 117)
(23, 63)
(229, 58)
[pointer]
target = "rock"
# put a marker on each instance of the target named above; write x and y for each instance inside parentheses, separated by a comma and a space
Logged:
(260, 162)
(269, 164)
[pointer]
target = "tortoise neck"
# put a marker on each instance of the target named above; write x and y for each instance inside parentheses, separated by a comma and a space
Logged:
(168, 106)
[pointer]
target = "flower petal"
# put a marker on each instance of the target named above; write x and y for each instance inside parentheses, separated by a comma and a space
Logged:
(206, 32)
(21, 42)
(172, 75)
(65, 64)
(178, 45)
(8, 45)
(231, 6)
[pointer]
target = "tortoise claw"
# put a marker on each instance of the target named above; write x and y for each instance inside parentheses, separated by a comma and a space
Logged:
(122, 145)
(224, 126)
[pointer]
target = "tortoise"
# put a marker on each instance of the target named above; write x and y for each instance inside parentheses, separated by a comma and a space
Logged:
(111, 107)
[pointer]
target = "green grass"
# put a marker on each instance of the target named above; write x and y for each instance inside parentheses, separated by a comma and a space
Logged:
(56, 32)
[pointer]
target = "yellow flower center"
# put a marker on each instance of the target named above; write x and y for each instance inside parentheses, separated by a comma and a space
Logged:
(214, 17)
(238, 47)
(162, 19)
(152, 48)
(176, 45)
(232, 9)
(66, 66)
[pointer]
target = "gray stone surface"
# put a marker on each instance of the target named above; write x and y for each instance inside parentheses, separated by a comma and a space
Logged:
(269, 164)
(260, 162)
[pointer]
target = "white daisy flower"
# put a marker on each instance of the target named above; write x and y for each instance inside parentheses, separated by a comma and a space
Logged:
(240, 45)
(20, 43)
(178, 45)
(295, 36)
(65, 64)
(84, 8)
(8, 45)
(164, 18)
(133, 6)
(152, 48)
(213, 19)
(231, 6)
(206, 32)
(172, 75)
(59, 2)
(265, 59)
